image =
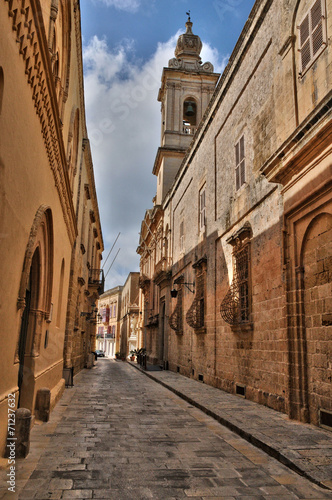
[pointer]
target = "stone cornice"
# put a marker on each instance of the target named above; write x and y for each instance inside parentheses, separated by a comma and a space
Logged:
(165, 151)
(305, 144)
(171, 76)
(28, 27)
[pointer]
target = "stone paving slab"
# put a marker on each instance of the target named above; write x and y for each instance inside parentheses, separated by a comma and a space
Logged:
(304, 448)
(118, 434)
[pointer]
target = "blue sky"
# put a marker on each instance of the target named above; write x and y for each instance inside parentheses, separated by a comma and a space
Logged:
(126, 43)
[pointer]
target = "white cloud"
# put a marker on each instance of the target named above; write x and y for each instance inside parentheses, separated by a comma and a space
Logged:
(127, 5)
(123, 119)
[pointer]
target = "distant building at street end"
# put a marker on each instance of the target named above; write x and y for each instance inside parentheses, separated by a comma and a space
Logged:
(108, 326)
(118, 323)
(50, 236)
(129, 316)
(236, 254)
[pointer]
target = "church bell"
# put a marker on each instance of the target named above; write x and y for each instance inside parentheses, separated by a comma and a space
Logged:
(189, 109)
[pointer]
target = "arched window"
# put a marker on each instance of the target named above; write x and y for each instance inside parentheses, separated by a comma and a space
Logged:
(189, 116)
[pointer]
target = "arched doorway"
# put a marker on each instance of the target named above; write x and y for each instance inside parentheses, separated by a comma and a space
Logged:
(35, 302)
(317, 297)
(25, 375)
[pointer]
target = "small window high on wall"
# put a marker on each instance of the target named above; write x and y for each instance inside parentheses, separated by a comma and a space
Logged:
(182, 236)
(240, 163)
(202, 210)
(312, 35)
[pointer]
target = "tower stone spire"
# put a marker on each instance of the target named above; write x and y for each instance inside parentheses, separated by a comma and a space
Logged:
(187, 52)
(186, 88)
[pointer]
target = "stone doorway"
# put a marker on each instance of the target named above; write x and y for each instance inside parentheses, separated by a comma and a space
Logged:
(28, 325)
(317, 301)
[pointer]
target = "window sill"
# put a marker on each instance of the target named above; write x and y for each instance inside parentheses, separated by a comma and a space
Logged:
(239, 191)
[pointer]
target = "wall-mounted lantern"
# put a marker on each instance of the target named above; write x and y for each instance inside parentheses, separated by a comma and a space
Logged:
(174, 292)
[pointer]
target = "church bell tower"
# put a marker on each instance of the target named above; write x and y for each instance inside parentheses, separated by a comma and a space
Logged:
(187, 85)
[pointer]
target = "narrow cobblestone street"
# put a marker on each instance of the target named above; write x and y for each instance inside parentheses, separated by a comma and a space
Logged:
(119, 435)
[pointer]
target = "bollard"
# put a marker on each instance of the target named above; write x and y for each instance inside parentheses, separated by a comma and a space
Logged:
(21, 443)
(43, 404)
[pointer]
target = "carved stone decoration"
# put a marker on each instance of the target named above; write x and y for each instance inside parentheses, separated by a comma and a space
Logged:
(26, 24)
(187, 53)
(40, 243)
(188, 43)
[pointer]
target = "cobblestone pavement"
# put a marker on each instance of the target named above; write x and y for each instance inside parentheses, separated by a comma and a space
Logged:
(119, 435)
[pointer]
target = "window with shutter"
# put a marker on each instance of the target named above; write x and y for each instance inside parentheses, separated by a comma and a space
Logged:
(182, 236)
(240, 165)
(312, 35)
(202, 210)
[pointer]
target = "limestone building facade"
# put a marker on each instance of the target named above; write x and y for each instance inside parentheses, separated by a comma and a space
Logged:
(50, 236)
(129, 316)
(108, 326)
(243, 299)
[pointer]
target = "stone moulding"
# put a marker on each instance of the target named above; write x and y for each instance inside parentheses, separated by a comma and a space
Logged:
(29, 30)
(286, 161)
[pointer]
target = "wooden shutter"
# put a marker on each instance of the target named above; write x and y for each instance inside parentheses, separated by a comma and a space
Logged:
(305, 43)
(181, 235)
(202, 209)
(311, 34)
(316, 26)
(240, 174)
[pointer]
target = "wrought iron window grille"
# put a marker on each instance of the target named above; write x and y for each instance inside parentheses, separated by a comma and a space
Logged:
(195, 316)
(175, 319)
(235, 307)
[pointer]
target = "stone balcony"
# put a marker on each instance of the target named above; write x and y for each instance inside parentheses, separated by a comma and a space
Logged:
(96, 281)
(162, 270)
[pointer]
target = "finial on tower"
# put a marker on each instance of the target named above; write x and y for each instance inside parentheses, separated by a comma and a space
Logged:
(187, 52)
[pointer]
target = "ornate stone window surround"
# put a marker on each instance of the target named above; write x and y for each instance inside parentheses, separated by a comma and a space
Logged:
(236, 309)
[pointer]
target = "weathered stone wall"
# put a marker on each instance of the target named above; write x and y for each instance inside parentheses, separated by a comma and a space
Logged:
(262, 98)
(317, 264)
(43, 175)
